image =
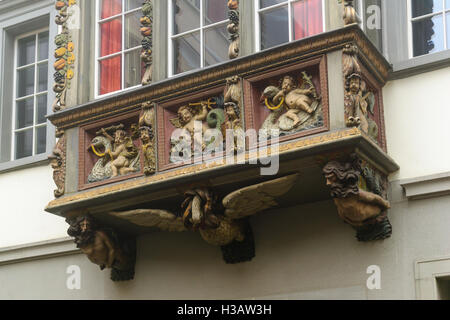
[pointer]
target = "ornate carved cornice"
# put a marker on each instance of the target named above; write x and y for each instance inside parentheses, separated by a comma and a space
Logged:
(217, 75)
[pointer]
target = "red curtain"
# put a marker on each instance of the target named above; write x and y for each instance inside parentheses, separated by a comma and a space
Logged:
(111, 42)
(308, 19)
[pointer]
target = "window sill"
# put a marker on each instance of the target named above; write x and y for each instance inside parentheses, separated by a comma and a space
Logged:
(24, 163)
(421, 64)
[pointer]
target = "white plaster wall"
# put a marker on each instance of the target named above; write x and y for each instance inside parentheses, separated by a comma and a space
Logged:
(303, 252)
(24, 194)
(417, 116)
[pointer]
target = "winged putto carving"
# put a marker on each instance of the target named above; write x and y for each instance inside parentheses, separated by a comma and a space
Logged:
(222, 223)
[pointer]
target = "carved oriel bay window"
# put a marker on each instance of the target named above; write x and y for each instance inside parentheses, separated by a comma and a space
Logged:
(205, 151)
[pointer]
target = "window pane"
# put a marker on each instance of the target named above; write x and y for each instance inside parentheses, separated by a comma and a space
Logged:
(423, 7)
(41, 101)
(25, 81)
(307, 18)
(274, 27)
(24, 113)
(133, 4)
(133, 68)
(267, 3)
(216, 45)
(41, 139)
(26, 50)
(186, 15)
(187, 52)
(110, 8)
(447, 4)
(215, 11)
(428, 35)
(133, 35)
(43, 46)
(111, 37)
(110, 75)
(24, 144)
(42, 77)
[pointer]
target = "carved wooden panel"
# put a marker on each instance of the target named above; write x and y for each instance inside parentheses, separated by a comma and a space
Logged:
(109, 151)
(300, 110)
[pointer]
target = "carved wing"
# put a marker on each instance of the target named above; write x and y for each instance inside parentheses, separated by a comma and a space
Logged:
(176, 123)
(253, 199)
(161, 219)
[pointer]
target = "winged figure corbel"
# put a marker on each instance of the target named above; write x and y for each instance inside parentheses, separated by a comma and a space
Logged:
(222, 223)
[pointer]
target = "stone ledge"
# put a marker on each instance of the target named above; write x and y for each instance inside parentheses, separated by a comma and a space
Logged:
(37, 251)
(427, 187)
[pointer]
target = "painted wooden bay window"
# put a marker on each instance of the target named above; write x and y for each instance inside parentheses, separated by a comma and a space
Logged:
(429, 26)
(281, 21)
(198, 35)
(118, 63)
(31, 88)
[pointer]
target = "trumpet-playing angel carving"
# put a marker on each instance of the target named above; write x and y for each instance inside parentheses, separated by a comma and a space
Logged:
(222, 224)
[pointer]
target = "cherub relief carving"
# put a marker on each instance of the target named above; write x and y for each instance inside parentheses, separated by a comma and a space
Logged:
(364, 210)
(117, 152)
(222, 223)
(203, 112)
(293, 108)
(103, 247)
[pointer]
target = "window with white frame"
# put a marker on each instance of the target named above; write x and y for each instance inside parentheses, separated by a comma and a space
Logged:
(198, 35)
(429, 26)
(281, 21)
(30, 95)
(118, 45)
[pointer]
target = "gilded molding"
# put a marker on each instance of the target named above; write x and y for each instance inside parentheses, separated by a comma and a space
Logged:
(65, 58)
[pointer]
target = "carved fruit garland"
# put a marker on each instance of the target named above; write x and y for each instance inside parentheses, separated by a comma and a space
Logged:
(147, 42)
(349, 15)
(233, 28)
(64, 55)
